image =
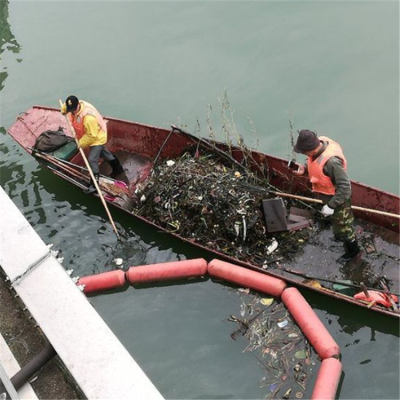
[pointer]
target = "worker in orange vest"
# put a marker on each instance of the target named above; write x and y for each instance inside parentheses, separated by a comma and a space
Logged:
(326, 166)
(91, 130)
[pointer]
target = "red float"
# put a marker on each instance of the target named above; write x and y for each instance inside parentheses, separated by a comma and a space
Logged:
(327, 380)
(103, 281)
(310, 324)
(247, 278)
(167, 271)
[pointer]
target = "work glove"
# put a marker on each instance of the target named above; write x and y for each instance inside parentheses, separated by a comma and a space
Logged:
(64, 109)
(327, 211)
(300, 171)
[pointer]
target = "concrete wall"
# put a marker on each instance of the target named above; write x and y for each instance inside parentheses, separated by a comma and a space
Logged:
(96, 359)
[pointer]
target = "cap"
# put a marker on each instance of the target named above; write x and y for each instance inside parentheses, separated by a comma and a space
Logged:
(307, 141)
(72, 103)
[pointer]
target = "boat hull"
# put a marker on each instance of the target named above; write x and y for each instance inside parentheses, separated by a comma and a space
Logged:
(150, 143)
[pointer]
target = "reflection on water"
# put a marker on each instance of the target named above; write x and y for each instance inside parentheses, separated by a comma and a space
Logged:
(7, 41)
(129, 249)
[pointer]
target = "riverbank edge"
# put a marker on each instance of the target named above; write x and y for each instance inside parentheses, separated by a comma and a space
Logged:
(65, 316)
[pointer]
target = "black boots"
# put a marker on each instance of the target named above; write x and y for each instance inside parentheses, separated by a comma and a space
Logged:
(116, 167)
(91, 188)
(351, 250)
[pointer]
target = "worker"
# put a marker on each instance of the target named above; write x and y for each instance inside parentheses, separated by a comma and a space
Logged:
(326, 166)
(91, 131)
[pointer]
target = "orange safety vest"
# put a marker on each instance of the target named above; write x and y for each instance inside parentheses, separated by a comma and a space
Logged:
(320, 182)
(377, 297)
(77, 120)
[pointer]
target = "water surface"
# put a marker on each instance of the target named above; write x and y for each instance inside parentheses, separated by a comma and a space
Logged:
(328, 66)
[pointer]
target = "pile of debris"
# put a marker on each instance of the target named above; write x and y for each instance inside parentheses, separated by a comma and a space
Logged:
(205, 200)
(278, 344)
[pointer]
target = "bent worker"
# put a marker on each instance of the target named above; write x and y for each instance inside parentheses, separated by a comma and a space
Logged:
(326, 166)
(91, 130)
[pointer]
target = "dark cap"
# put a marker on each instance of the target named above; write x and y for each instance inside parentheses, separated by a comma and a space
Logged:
(307, 141)
(72, 103)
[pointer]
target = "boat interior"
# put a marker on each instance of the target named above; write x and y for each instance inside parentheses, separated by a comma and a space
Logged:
(318, 263)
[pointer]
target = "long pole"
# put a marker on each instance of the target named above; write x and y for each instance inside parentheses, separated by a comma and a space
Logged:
(161, 148)
(310, 200)
(74, 173)
(71, 128)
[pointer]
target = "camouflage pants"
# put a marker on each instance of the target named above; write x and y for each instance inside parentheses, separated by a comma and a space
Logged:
(343, 222)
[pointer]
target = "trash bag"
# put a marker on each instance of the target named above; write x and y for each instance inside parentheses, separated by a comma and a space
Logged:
(51, 140)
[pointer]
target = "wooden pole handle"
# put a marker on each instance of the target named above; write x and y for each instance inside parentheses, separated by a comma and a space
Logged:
(71, 128)
(310, 200)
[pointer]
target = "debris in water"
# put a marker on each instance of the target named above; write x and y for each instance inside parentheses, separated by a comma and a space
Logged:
(300, 355)
(118, 261)
(284, 354)
(283, 323)
(267, 302)
(287, 394)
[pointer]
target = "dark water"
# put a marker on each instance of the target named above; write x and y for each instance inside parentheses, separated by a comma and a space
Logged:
(329, 66)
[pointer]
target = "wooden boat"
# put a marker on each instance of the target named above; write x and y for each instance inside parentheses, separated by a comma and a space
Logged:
(139, 145)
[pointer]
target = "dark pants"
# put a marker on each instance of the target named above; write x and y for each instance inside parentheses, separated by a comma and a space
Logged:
(95, 153)
(343, 222)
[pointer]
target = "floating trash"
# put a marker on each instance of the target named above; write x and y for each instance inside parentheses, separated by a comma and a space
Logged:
(283, 323)
(267, 302)
(287, 394)
(273, 387)
(118, 261)
(300, 354)
(284, 354)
